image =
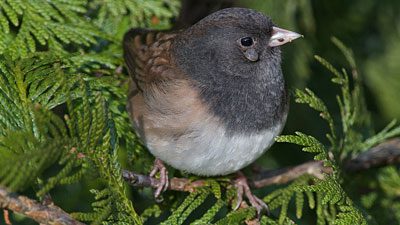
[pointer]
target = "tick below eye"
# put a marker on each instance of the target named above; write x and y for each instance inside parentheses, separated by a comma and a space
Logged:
(246, 41)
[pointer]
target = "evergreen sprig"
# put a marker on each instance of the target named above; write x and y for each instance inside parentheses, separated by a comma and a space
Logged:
(333, 204)
(28, 93)
(115, 17)
(80, 75)
(31, 25)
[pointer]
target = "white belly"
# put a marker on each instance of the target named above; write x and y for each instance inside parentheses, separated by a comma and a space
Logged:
(208, 150)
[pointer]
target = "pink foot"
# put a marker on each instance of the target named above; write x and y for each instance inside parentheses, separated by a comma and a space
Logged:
(243, 188)
(163, 181)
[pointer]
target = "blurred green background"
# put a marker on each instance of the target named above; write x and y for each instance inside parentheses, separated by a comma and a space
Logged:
(371, 28)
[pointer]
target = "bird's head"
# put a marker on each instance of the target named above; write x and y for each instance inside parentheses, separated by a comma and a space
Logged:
(234, 42)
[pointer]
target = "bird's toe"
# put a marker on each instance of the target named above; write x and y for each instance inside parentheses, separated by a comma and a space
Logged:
(243, 188)
(163, 181)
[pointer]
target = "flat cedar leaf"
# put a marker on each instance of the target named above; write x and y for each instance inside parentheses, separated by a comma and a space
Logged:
(299, 202)
(215, 188)
(311, 99)
(238, 216)
(338, 80)
(313, 149)
(52, 23)
(311, 144)
(321, 156)
(299, 139)
(311, 199)
(349, 215)
(347, 52)
(210, 214)
(328, 66)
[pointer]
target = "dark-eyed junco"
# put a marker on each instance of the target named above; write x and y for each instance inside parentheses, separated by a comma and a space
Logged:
(210, 99)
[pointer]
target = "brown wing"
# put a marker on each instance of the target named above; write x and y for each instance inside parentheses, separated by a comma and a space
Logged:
(147, 56)
(160, 94)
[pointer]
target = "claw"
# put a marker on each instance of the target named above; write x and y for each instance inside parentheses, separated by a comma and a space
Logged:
(243, 188)
(163, 181)
(239, 197)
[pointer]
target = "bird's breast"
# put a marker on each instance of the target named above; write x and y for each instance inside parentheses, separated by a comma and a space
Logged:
(209, 149)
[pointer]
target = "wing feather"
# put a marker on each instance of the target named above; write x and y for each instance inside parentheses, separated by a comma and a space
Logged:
(147, 55)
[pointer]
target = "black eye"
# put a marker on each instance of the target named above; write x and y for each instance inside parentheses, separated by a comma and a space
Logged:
(246, 41)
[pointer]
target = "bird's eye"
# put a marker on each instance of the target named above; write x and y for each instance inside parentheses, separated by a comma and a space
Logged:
(246, 41)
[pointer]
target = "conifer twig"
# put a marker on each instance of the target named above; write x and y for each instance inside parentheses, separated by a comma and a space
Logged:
(383, 154)
(43, 214)
(176, 184)
(380, 155)
(280, 176)
(285, 175)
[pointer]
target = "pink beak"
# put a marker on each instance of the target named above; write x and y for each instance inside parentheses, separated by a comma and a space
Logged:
(281, 36)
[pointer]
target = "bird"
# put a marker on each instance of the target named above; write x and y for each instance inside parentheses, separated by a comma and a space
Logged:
(210, 99)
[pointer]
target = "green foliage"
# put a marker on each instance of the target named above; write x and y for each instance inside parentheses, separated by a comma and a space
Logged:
(64, 127)
(384, 186)
(190, 203)
(334, 206)
(96, 135)
(28, 92)
(151, 13)
(236, 217)
(383, 78)
(211, 213)
(282, 197)
(76, 73)
(308, 97)
(310, 144)
(44, 24)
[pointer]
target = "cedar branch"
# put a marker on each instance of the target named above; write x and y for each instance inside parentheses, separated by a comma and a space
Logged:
(383, 154)
(43, 214)
(386, 153)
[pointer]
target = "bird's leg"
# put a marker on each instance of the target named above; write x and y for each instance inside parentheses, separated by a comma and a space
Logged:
(163, 181)
(243, 188)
